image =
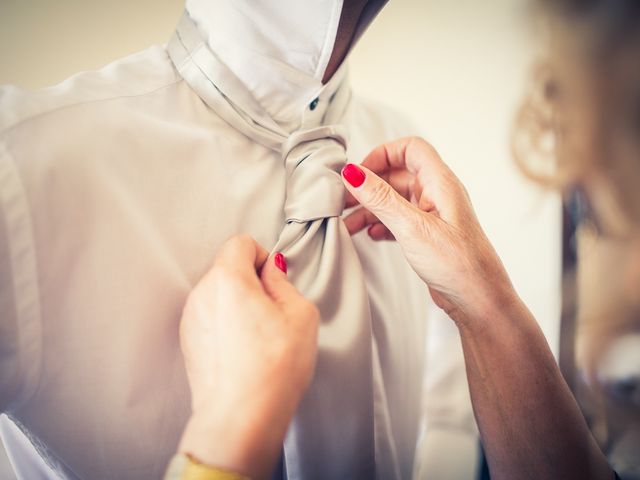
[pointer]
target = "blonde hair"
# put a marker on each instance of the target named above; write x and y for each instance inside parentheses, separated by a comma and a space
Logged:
(581, 116)
(579, 128)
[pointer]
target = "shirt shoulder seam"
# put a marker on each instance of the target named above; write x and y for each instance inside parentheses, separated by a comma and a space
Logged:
(12, 126)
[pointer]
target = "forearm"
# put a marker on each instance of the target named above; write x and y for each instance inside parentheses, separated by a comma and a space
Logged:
(530, 424)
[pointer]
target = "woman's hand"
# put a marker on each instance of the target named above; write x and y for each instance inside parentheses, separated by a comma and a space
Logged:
(249, 345)
(524, 409)
(406, 192)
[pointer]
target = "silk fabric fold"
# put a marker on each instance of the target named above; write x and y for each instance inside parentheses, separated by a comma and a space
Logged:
(336, 414)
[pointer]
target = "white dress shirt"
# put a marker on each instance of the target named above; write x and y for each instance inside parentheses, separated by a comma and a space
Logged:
(116, 189)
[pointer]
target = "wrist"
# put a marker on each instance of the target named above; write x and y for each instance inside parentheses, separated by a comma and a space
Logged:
(214, 441)
(494, 306)
(242, 439)
(222, 444)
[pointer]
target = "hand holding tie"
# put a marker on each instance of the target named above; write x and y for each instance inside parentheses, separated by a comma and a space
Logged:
(407, 193)
(249, 341)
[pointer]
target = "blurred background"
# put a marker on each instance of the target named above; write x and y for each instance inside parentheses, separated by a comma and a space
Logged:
(457, 68)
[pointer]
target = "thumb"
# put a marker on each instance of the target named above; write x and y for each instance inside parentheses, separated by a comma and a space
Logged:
(275, 282)
(377, 196)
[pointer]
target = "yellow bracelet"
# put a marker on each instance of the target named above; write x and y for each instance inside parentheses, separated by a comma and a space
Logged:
(185, 467)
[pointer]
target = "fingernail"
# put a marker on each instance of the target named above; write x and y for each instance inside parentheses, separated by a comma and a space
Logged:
(280, 261)
(353, 174)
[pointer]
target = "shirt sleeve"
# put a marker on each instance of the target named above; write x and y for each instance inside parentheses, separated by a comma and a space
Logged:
(448, 445)
(20, 336)
(8, 327)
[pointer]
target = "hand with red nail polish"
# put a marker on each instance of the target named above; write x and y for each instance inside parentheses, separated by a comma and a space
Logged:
(353, 174)
(405, 192)
(524, 409)
(249, 341)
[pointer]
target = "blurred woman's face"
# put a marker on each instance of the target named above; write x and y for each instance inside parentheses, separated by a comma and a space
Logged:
(598, 100)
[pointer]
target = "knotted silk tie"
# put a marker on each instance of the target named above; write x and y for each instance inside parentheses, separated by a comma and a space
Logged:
(332, 434)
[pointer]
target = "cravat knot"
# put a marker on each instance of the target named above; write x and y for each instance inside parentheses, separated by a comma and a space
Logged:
(313, 160)
(322, 260)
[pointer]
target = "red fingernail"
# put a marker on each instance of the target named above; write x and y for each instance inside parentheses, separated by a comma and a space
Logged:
(353, 174)
(280, 261)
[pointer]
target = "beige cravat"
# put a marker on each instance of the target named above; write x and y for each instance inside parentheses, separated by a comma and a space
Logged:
(332, 435)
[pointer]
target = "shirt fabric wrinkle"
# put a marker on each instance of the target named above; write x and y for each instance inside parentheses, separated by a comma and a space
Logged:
(191, 160)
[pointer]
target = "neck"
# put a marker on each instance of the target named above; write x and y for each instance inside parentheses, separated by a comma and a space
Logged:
(281, 52)
(352, 19)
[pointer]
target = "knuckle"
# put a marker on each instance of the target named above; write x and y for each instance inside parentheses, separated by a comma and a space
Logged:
(238, 285)
(237, 242)
(221, 271)
(417, 141)
(192, 303)
(417, 227)
(464, 192)
(308, 311)
(245, 239)
(379, 195)
(314, 312)
(242, 238)
(225, 278)
(420, 143)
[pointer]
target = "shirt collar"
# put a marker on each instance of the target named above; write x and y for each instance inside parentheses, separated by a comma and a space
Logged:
(224, 93)
(272, 47)
(271, 55)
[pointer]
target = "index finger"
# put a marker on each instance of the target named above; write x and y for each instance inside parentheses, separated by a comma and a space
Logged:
(409, 153)
(436, 184)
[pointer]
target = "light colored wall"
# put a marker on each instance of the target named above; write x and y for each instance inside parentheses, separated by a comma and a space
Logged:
(42, 41)
(459, 69)
(456, 67)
